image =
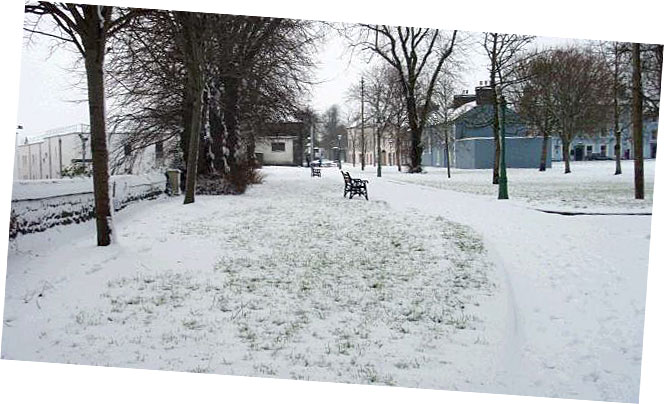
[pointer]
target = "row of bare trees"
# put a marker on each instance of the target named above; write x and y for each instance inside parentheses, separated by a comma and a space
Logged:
(584, 90)
(201, 85)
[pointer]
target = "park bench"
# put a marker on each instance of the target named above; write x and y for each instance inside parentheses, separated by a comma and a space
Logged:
(354, 186)
(315, 172)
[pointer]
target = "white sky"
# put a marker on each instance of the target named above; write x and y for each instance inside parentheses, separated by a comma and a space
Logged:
(49, 90)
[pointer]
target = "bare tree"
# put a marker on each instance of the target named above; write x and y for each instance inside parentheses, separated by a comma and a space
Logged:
(88, 27)
(255, 72)
(191, 38)
(504, 52)
(532, 103)
(442, 116)
(417, 55)
(573, 87)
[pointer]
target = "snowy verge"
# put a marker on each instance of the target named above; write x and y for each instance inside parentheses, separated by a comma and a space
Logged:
(41, 204)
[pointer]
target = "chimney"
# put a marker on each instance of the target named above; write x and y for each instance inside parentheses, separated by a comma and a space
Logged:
(483, 95)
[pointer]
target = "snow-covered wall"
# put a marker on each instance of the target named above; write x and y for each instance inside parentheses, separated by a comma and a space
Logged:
(41, 204)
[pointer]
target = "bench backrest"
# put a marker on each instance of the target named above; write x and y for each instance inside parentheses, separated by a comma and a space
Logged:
(346, 177)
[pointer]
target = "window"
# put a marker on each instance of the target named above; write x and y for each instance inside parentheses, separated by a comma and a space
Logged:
(602, 150)
(278, 146)
(589, 150)
(127, 150)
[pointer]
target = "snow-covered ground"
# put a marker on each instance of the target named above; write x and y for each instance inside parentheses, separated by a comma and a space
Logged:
(590, 187)
(418, 287)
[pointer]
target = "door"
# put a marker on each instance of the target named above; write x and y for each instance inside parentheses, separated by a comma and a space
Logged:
(578, 152)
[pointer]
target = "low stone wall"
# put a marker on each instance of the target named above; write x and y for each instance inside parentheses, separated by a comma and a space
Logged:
(41, 204)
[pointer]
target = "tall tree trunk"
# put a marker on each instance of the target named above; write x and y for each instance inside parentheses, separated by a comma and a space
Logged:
(380, 155)
(637, 121)
(566, 144)
(545, 151)
(416, 150)
(354, 151)
(398, 152)
(217, 131)
(205, 163)
(616, 112)
(187, 108)
(194, 136)
(232, 124)
(94, 67)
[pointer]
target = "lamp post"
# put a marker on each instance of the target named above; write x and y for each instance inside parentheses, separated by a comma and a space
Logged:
(502, 181)
(339, 151)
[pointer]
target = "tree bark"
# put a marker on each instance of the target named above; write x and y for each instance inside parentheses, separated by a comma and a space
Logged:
(416, 150)
(545, 149)
(192, 42)
(94, 66)
(398, 152)
(637, 121)
(380, 155)
(566, 144)
(231, 122)
(194, 137)
(205, 163)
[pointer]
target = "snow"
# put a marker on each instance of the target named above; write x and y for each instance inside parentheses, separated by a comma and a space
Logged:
(591, 187)
(418, 287)
(42, 204)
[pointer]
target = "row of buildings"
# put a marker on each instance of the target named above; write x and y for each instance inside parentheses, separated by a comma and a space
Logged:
(469, 139)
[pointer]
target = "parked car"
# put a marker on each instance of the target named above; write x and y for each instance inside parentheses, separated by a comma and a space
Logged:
(598, 156)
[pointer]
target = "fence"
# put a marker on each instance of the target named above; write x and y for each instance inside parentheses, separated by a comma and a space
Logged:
(41, 204)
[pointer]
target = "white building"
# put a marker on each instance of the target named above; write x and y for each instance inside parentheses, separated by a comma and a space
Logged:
(47, 156)
(388, 147)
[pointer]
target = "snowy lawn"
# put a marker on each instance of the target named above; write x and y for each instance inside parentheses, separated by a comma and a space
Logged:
(590, 187)
(290, 280)
(419, 286)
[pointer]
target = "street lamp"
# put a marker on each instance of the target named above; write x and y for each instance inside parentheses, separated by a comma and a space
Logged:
(339, 151)
(502, 181)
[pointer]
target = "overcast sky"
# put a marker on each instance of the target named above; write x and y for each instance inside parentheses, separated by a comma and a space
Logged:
(51, 93)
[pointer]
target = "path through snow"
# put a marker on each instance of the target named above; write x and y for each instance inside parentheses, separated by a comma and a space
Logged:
(578, 285)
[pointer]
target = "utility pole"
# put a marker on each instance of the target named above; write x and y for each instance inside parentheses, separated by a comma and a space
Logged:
(311, 157)
(502, 180)
(447, 150)
(363, 146)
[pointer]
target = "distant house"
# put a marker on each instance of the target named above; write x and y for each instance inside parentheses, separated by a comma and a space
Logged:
(434, 153)
(473, 135)
(281, 144)
(602, 144)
